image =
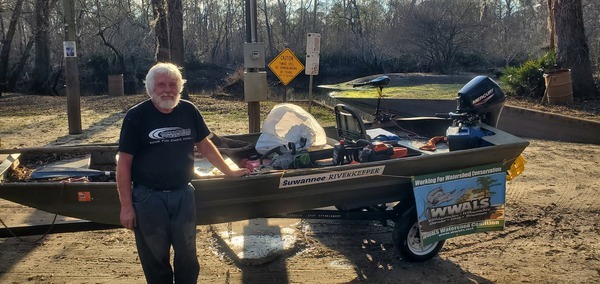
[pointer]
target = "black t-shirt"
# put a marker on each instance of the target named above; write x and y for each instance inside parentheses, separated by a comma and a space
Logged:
(162, 145)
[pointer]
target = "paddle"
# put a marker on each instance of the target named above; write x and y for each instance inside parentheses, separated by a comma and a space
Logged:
(55, 172)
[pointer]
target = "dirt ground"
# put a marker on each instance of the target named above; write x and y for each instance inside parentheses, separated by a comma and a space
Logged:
(552, 232)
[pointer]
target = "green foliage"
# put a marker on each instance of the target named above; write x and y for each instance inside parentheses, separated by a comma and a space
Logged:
(528, 79)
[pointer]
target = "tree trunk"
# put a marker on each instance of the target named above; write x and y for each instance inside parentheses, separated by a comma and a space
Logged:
(161, 28)
(572, 50)
(6, 44)
(120, 58)
(270, 43)
(40, 84)
(314, 17)
(551, 31)
(16, 73)
(227, 37)
(175, 16)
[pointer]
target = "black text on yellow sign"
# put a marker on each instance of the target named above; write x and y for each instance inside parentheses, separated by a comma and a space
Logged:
(286, 66)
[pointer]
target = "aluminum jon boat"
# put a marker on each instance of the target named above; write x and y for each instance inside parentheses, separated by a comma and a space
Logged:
(372, 173)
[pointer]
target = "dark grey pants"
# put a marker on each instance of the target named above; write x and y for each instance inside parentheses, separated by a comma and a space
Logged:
(165, 219)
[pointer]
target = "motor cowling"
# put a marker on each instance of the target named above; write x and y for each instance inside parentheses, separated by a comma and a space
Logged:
(482, 98)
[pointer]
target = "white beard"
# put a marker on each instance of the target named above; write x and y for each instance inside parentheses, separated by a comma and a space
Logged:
(166, 103)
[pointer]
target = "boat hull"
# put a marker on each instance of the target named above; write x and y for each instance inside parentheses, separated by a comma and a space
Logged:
(223, 199)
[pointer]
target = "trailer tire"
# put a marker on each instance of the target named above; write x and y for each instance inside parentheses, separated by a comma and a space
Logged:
(407, 240)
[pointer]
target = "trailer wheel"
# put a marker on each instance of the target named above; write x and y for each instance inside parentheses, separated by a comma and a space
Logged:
(406, 237)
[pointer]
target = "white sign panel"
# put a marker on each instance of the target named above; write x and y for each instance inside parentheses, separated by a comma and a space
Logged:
(333, 176)
(313, 48)
(312, 64)
(313, 43)
(69, 49)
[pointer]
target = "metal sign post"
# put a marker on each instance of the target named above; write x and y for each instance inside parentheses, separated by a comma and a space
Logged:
(313, 49)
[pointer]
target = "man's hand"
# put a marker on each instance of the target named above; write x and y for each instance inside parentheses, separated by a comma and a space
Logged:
(240, 172)
(128, 217)
(211, 153)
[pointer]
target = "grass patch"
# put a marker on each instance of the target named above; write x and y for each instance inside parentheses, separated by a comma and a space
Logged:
(425, 91)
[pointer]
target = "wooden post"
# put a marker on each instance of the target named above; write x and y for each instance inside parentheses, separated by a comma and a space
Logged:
(72, 71)
(254, 117)
(310, 85)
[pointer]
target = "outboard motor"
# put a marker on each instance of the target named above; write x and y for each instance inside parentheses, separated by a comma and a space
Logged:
(482, 98)
(479, 101)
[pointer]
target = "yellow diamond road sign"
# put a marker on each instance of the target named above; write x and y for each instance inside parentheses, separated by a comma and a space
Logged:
(286, 66)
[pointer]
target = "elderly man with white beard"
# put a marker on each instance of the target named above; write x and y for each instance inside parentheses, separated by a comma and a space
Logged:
(154, 170)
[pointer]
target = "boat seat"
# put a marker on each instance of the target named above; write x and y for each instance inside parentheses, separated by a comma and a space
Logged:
(350, 125)
(103, 160)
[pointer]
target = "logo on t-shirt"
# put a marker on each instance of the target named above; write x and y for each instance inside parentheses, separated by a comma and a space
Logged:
(170, 134)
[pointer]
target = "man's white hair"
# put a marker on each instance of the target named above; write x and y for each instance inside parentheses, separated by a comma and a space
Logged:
(168, 69)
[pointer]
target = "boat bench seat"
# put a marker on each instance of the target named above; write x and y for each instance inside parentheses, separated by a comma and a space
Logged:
(103, 160)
